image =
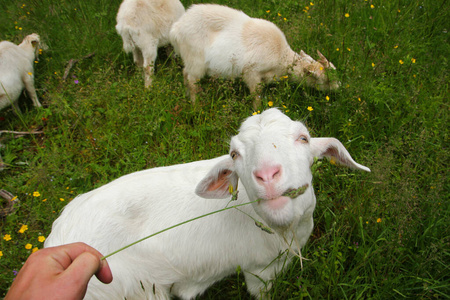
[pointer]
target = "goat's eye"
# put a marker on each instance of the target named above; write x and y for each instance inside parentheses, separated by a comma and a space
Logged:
(234, 154)
(303, 139)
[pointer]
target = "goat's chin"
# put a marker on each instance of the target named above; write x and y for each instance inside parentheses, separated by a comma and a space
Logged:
(278, 213)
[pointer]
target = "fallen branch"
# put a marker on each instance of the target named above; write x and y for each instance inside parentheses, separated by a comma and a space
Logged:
(11, 201)
(72, 62)
(20, 132)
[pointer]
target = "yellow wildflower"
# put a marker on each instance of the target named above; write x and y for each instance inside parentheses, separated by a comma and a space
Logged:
(1, 253)
(270, 103)
(373, 65)
(36, 194)
(279, 14)
(61, 199)
(34, 249)
(379, 220)
(333, 160)
(7, 237)
(413, 60)
(310, 3)
(28, 246)
(23, 228)
(337, 49)
(310, 108)
(347, 15)
(267, 11)
(401, 62)
(396, 46)
(327, 98)
(349, 49)
(29, 73)
(41, 238)
(372, 6)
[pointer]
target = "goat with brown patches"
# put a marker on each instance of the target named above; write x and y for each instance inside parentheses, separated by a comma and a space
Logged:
(220, 41)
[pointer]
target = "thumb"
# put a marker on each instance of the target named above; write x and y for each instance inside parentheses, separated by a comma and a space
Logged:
(82, 268)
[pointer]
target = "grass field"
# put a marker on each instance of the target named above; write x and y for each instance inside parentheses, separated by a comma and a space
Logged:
(378, 235)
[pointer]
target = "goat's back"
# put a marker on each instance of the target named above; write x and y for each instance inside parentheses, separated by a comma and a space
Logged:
(190, 257)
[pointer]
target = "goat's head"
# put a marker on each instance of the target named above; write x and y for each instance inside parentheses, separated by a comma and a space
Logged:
(271, 155)
(35, 41)
(320, 74)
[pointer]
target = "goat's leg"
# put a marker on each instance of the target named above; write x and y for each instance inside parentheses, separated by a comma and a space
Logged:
(149, 55)
(28, 80)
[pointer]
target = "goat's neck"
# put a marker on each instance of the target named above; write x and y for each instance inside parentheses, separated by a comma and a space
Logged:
(298, 65)
(29, 50)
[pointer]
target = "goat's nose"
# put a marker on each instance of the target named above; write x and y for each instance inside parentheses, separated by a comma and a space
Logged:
(267, 174)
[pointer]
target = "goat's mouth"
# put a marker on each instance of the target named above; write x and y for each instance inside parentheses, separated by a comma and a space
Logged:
(280, 201)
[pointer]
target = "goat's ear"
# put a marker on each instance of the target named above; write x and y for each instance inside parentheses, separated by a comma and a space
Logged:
(216, 184)
(323, 60)
(333, 149)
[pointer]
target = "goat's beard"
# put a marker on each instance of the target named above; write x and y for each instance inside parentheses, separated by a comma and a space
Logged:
(277, 213)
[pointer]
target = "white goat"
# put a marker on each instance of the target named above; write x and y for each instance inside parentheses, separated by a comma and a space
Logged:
(17, 71)
(144, 26)
(271, 155)
(220, 41)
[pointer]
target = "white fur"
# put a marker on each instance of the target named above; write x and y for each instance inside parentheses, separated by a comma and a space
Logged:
(186, 260)
(17, 70)
(144, 26)
(220, 41)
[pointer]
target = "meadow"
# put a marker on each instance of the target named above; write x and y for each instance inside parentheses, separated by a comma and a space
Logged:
(378, 235)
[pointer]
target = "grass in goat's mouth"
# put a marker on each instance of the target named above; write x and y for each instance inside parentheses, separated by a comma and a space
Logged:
(294, 193)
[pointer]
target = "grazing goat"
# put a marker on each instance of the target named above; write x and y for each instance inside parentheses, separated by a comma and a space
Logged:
(220, 41)
(17, 71)
(144, 26)
(270, 156)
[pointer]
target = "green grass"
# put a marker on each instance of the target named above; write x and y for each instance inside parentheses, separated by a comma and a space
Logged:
(379, 235)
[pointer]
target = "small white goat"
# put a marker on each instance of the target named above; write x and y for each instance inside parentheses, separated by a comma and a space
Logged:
(17, 70)
(220, 41)
(271, 155)
(144, 26)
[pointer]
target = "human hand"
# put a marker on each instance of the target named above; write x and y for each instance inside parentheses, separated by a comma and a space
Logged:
(61, 272)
